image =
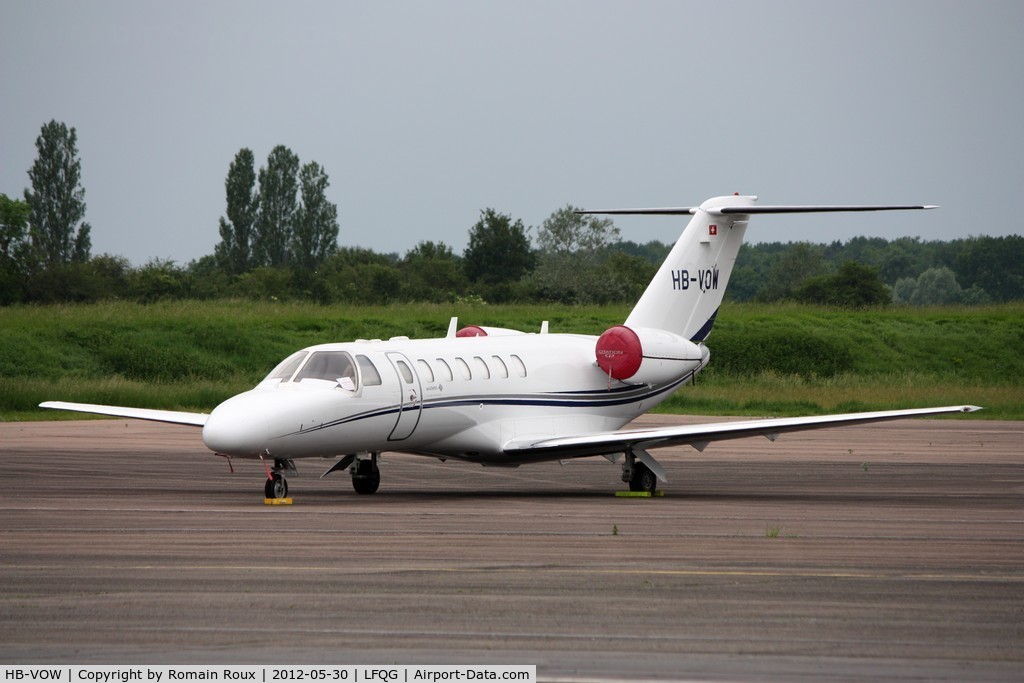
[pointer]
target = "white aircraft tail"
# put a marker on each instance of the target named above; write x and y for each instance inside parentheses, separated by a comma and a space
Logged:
(684, 296)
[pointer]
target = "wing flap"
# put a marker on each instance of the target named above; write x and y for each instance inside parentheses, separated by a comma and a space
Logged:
(700, 435)
(169, 416)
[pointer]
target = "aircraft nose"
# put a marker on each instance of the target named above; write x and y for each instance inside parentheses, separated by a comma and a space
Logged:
(237, 427)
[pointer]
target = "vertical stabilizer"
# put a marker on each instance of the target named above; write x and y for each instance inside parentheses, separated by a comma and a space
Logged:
(684, 296)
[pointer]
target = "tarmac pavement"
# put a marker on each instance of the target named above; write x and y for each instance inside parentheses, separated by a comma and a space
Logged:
(890, 551)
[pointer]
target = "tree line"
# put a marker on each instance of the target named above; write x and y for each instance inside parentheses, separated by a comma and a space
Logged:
(279, 241)
(903, 271)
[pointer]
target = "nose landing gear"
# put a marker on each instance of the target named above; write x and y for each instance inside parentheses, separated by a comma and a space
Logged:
(276, 485)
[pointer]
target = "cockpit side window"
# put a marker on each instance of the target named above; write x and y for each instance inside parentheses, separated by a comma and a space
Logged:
(371, 377)
(328, 365)
(286, 368)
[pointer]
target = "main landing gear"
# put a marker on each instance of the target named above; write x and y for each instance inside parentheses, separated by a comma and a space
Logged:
(363, 468)
(366, 475)
(640, 477)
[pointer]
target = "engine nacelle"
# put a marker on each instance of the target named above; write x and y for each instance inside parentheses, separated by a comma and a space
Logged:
(646, 356)
(481, 331)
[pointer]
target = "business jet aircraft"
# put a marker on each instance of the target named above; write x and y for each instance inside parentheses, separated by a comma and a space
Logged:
(505, 398)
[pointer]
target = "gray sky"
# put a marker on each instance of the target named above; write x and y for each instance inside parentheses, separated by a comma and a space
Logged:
(424, 113)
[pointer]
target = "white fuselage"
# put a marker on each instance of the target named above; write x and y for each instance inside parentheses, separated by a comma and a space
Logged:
(452, 397)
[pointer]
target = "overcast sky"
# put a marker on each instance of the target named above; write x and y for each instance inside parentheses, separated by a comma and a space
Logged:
(424, 113)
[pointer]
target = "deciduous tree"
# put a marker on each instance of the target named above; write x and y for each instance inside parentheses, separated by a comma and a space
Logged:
(234, 252)
(573, 252)
(14, 215)
(432, 272)
(936, 287)
(13, 248)
(315, 233)
(57, 199)
(568, 232)
(800, 261)
(277, 204)
(499, 250)
(854, 286)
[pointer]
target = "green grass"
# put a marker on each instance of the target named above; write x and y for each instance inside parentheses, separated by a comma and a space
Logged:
(766, 360)
(772, 394)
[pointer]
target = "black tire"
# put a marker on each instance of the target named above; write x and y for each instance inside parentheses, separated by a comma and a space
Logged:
(643, 479)
(276, 486)
(367, 484)
(366, 477)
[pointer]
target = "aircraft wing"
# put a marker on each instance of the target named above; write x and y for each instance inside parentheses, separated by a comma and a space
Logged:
(171, 416)
(698, 435)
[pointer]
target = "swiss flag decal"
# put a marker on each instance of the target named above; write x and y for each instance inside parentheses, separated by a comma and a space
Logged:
(712, 229)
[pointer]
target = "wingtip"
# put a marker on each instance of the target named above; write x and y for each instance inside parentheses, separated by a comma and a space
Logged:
(971, 409)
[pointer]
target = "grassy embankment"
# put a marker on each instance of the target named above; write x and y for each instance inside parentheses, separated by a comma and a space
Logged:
(766, 360)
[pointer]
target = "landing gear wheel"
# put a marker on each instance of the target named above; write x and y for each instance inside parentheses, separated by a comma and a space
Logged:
(643, 479)
(276, 486)
(366, 476)
(368, 484)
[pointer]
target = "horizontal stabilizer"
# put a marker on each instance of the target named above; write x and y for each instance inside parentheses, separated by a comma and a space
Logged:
(751, 210)
(666, 211)
(170, 416)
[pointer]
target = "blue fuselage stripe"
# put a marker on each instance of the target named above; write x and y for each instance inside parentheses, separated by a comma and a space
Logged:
(568, 399)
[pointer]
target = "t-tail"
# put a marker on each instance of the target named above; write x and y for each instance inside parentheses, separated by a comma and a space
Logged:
(684, 296)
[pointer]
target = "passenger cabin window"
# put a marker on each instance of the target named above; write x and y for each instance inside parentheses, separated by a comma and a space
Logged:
(425, 370)
(464, 368)
(405, 371)
(286, 368)
(329, 365)
(517, 363)
(499, 364)
(485, 371)
(444, 369)
(371, 377)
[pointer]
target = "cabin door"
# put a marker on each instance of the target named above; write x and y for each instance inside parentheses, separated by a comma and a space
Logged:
(409, 392)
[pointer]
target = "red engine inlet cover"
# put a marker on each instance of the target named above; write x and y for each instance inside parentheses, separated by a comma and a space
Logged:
(619, 352)
(471, 331)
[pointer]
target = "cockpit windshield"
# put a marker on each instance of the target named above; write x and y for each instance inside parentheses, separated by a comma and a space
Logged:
(333, 366)
(288, 366)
